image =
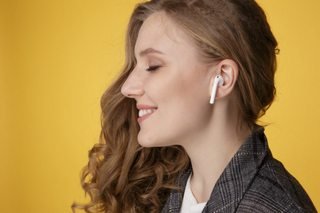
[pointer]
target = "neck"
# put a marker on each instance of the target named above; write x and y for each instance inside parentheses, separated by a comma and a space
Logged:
(212, 151)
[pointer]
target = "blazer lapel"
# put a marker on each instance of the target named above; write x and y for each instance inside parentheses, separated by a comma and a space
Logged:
(174, 201)
(233, 182)
(238, 175)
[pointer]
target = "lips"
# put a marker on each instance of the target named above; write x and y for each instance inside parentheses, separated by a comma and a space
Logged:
(145, 107)
(140, 119)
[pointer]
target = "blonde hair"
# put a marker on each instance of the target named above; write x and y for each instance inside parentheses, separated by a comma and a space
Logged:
(122, 176)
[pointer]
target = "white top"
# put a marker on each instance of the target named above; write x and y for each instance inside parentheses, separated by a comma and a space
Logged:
(189, 202)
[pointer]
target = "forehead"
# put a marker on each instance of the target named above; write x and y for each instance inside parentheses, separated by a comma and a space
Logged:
(159, 31)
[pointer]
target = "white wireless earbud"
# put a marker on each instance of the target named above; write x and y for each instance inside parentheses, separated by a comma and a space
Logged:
(218, 81)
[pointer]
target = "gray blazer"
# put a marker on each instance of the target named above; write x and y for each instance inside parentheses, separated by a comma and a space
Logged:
(253, 181)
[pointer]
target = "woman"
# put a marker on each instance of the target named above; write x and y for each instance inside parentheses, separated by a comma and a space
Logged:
(164, 147)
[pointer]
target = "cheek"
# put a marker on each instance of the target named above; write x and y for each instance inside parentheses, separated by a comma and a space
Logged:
(194, 91)
(183, 109)
(192, 113)
(186, 108)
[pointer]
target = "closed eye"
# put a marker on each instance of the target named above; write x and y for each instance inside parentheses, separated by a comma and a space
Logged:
(152, 68)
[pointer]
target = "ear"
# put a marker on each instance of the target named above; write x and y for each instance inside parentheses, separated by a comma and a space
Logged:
(228, 70)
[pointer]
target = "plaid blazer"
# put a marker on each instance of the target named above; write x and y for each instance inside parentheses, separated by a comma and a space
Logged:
(253, 181)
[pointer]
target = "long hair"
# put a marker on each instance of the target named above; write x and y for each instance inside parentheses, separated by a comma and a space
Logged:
(122, 176)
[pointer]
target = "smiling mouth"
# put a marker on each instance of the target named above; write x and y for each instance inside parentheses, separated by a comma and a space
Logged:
(144, 117)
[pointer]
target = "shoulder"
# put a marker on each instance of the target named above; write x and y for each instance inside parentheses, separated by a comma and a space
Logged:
(274, 189)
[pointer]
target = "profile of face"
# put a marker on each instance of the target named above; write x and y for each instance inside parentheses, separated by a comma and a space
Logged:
(170, 76)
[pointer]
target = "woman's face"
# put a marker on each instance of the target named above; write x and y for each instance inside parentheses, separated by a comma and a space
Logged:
(179, 87)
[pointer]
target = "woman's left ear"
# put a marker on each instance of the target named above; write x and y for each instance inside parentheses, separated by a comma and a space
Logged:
(228, 70)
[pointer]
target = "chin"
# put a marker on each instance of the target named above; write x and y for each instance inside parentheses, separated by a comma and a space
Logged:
(149, 140)
(150, 143)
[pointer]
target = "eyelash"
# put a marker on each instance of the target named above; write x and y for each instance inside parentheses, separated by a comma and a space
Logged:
(152, 68)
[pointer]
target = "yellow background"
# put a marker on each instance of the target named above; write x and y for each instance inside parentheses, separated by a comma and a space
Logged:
(58, 56)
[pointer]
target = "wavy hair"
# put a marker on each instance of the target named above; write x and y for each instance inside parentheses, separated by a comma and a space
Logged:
(122, 176)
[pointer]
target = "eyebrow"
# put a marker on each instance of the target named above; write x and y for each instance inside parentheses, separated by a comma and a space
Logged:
(148, 51)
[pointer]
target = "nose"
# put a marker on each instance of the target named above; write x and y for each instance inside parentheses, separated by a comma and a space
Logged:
(133, 86)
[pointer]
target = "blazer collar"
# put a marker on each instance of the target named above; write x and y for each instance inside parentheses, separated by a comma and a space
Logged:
(233, 182)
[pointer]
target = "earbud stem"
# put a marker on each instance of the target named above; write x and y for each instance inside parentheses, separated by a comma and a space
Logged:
(217, 81)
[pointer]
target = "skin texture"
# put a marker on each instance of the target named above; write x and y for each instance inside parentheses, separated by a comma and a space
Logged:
(181, 89)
